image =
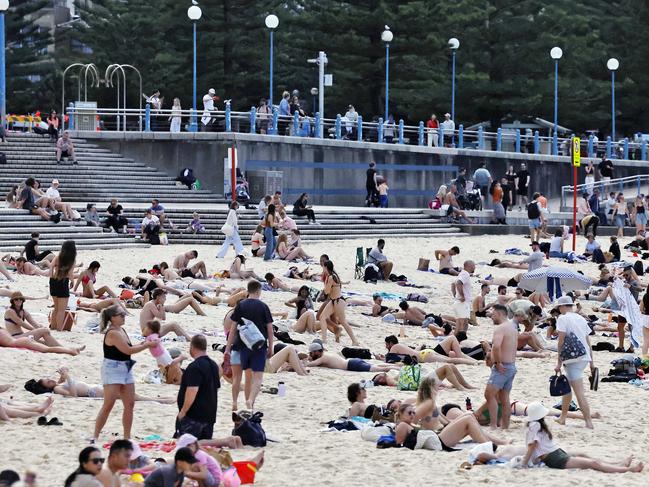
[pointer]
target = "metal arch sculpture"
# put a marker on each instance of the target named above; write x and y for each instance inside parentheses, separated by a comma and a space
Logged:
(109, 75)
(85, 68)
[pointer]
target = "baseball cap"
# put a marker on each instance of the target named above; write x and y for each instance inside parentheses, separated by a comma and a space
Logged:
(211, 91)
(185, 455)
(185, 440)
(315, 347)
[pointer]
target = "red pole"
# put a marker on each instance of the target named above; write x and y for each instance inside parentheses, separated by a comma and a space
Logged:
(233, 172)
(574, 208)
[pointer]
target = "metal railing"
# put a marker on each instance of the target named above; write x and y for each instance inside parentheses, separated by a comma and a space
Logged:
(340, 128)
(635, 183)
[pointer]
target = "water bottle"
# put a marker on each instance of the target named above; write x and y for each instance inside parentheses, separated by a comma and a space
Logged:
(469, 407)
(281, 389)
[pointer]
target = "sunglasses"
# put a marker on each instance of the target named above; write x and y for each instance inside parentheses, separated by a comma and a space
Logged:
(98, 461)
(411, 413)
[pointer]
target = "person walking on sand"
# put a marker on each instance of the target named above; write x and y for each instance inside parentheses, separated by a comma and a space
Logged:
(461, 291)
(503, 368)
(231, 231)
(575, 353)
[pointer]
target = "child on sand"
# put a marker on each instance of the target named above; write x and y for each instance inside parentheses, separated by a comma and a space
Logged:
(170, 368)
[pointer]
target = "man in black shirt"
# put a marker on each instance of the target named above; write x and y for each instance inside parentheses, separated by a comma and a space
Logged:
(371, 186)
(605, 169)
(31, 251)
(28, 202)
(522, 185)
(198, 393)
(115, 219)
(242, 358)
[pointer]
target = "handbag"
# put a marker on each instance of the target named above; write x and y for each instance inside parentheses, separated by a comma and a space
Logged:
(559, 385)
(250, 335)
(227, 230)
(573, 349)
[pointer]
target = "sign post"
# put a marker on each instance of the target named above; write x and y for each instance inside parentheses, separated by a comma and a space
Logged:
(576, 162)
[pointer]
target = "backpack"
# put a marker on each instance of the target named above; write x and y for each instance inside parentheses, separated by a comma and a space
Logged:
(598, 256)
(371, 273)
(638, 268)
(250, 430)
(573, 350)
(533, 210)
(361, 353)
(409, 377)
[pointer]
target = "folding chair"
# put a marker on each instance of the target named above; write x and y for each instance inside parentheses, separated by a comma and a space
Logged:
(360, 263)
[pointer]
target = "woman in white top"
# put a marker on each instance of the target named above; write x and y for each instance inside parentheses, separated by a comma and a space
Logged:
(571, 325)
(175, 116)
(541, 448)
(231, 231)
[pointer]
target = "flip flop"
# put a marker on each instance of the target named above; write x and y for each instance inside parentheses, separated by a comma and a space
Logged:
(594, 379)
(42, 421)
(270, 390)
(54, 422)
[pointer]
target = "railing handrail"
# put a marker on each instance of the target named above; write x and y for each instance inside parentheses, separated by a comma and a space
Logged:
(569, 188)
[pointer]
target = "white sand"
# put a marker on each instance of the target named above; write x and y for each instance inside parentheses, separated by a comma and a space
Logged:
(305, 455)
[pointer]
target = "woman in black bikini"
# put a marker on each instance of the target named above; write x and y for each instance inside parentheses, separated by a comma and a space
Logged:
(62, 274)
(334, 310)
(17, 318)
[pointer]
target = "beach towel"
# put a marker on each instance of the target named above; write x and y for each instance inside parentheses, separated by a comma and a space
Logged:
(631, 311)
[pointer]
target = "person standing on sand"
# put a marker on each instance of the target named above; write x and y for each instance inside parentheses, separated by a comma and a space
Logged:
(572, 325)
(503, 368)
(461, 291)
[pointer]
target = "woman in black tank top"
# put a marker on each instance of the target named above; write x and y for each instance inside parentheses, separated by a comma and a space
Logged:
(116, 369)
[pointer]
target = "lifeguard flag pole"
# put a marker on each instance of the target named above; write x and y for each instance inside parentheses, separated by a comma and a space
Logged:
(576, 162)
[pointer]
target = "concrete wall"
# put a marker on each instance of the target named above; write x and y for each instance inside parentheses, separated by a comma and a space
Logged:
(333, 172)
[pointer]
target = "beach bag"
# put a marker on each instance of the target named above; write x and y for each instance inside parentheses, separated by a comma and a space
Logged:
(409, 377)
(250, 335)
(559, 385)
(250, 431)
(126, 294)
(423, 264)
(164, 240)
(361, 353)
(227, 230)
(573, 350)
(372, 273)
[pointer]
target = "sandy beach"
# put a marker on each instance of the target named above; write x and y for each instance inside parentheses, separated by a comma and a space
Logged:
(304, 453)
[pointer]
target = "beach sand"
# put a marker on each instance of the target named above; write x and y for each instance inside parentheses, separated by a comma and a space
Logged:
(304, 454)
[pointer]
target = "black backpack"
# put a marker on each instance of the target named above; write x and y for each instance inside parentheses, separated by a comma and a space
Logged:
(250, 431)
(533, 210)
(361, 353)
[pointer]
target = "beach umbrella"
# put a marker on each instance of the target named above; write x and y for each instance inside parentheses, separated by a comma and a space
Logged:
(554, 281)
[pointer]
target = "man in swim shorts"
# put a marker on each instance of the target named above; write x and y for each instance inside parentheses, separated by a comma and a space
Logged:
(181, 264)
(462, 292)
(445, 258)
(319, 358)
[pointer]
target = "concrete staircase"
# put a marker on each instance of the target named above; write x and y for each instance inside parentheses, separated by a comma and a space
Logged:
(102, 175)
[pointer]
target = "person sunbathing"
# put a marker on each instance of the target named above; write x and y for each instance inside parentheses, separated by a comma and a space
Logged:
(5, 272)
(181, 265)
(378, 309)
(445, 372)
(284, 252)
(95, 306)
(415, 316)
(144, 284)
(6, 292)
(19, 323)
(28, 269)
(156, 309)
(88, 278)
(66, 385)
(238, 272)
(285, 358)
(15, 410)
(319, 358)
(6, 340)
(449, 346)
(276, 284)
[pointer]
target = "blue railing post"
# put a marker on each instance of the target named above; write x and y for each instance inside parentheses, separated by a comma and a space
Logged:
(228, 117)
(338, 123)
(518, 140)
(147, 118)
(400, 131)
(253, 120)
(638, 185)
(626, 148)
(420, 132)
(643, 150)
(440, 137)
(590, 145)
(608, 146)
(379, 131)
(296, 124)
(318, 126)
(460, 137)
(499, 139)
(537, 142)
(555, 144)
(359, 129)
(71, 115)
(275, 120)
(480, 138)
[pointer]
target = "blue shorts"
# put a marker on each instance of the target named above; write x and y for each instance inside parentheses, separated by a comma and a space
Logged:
(254, 360)
(503, 380)
(575, 370)
(620, 220)
(641, 219)
(535, 223)
(235, 357)
(358, 365)
(117, 372)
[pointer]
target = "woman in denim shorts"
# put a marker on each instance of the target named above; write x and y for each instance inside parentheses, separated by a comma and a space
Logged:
(117, 368)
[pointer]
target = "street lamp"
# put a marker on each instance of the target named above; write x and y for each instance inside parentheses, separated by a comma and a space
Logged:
(612, 65)
(453, 44)
(556, 53)
(387, 36)
(272, 22)
(4, 6)
(194, 13)
(314, 93)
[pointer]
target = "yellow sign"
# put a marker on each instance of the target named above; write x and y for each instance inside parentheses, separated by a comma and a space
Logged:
(576, 151)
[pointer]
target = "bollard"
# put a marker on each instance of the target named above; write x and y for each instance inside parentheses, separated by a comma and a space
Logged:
(318, 126)
(228, 117)
(275, 121)
(296, 124)
(626, 148)
(460, 137)
(147, 118)
(518, 140)
(608, 146)
(338, 123)
(420, 132)
(400, 131)
(499, 140)
(379, 131)
(253, 120)
(359, 129)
